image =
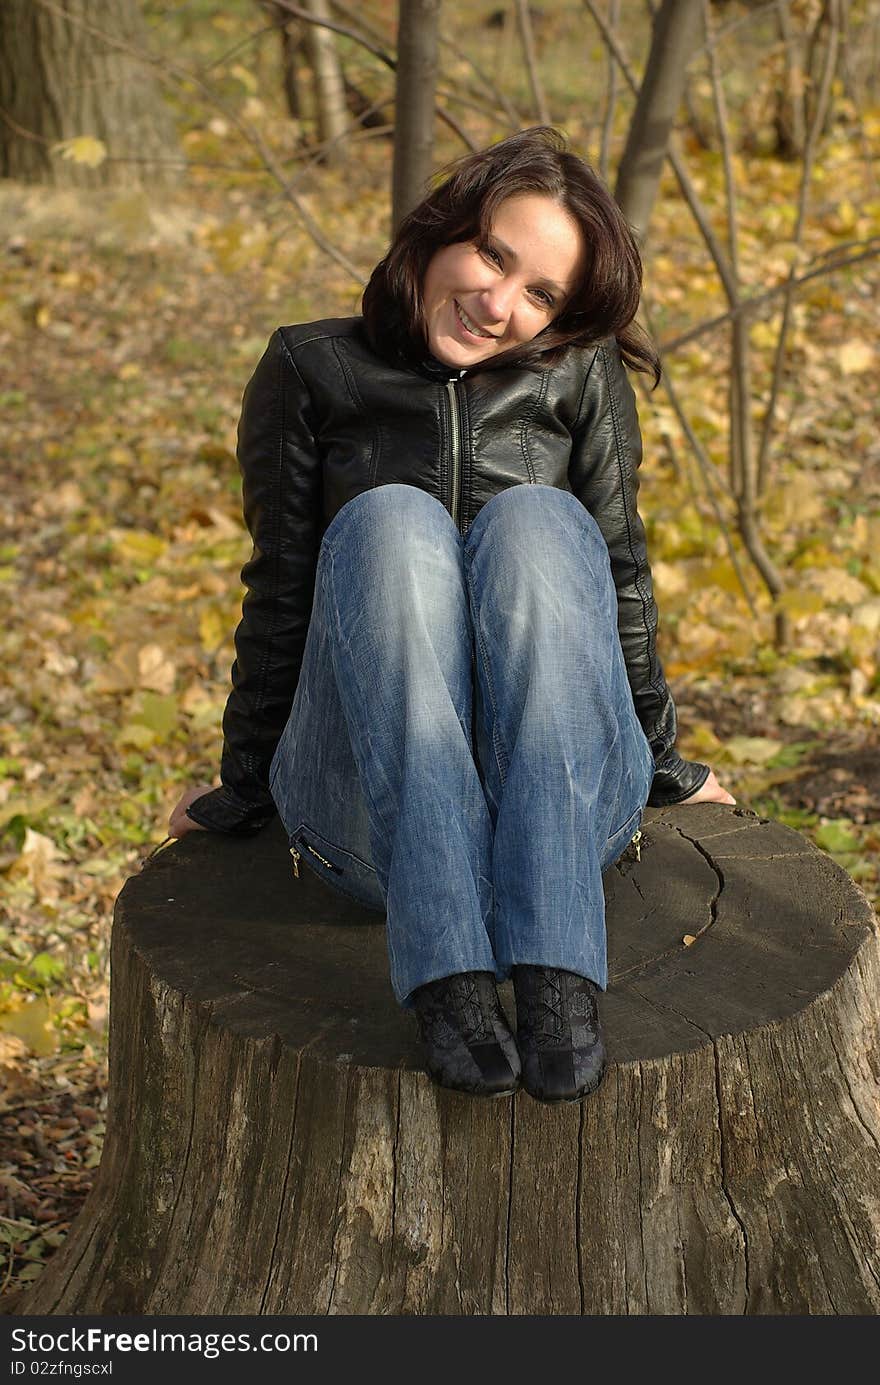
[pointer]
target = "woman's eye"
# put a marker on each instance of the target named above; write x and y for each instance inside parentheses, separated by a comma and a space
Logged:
(491, 254)
(544, 297)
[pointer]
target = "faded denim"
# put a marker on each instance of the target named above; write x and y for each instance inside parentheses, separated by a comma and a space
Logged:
(463, 753)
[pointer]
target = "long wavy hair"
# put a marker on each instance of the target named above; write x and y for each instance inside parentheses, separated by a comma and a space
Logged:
(461, 208)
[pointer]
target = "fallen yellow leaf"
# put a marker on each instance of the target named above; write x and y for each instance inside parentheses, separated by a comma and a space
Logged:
(39, 862)
(156, 672)
(855, 357)
(83, 149)
(214, 629)
(138, 545)
(32, 1024)
(752, 750)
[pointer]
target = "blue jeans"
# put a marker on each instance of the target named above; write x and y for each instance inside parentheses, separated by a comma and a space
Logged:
(463, 753)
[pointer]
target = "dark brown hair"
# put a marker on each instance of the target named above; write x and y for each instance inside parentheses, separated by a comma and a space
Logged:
(461, 208)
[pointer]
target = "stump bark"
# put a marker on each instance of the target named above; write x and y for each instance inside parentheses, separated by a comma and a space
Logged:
(274, 1146)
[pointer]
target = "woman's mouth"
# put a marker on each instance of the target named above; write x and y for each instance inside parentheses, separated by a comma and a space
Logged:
(470, 327)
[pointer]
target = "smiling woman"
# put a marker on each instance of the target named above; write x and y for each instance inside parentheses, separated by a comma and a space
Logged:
(534, 184)
(446, 678)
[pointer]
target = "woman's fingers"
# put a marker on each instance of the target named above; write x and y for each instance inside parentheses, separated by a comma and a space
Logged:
(178, 823)
(710, 792)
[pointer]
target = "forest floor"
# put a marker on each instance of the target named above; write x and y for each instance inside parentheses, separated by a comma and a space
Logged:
(128, 327)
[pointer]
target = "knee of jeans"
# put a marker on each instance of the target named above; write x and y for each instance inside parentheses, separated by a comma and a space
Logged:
(525, 511)
(399, 509)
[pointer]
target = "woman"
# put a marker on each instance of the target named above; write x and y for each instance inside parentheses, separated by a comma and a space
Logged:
(446, 678)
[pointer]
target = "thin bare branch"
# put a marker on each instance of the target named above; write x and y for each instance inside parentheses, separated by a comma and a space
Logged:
(316, 154)
(297, 12)
(721, 119)
(457, 129)
(357, 16)
(742, 452)
(21, 131)
(243, 43)
(303, 156)
(739, 21)
(707, 472)
(487, 85)
(748, 307)
(467, 99)
(610, 96)
(817, 125)
(524, 19)
(740, 389)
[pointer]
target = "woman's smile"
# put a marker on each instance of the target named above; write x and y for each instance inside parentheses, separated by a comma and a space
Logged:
(471, 329)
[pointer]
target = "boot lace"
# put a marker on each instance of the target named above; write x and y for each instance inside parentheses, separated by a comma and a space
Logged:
(545, 1022)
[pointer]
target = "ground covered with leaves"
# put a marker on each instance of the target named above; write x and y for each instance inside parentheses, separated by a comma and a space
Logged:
(128, 327)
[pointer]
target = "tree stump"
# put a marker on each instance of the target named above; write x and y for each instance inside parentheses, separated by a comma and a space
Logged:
(274, 1146)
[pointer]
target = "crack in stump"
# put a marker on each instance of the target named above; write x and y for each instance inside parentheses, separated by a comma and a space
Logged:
(639, 968)
(724, 1181)
(286, 1180)
(718, 873)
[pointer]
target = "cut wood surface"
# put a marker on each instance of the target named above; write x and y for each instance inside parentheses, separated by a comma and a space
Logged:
(274, 1145)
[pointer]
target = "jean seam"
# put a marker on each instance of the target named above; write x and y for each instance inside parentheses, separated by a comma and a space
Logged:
(501, 758)
(334, 606)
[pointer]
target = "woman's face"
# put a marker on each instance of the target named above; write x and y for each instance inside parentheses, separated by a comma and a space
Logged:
(480, 300)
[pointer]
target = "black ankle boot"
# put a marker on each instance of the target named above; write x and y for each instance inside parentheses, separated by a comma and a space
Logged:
(468, 1044)
(558, 1033)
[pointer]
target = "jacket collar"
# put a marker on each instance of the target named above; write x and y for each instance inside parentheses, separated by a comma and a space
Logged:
(437, 370)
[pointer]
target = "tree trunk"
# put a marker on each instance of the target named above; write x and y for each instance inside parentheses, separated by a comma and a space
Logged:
(293, 44)
(417, 50)
(274, 1146)
(331, 107)
(80, 68)
(789, 116)
(676, 32)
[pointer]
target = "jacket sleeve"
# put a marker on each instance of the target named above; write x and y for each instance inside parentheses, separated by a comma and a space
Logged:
(281, 483)
(603, 472)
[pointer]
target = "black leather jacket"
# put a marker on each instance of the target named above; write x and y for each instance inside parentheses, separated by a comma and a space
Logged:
(325, 418)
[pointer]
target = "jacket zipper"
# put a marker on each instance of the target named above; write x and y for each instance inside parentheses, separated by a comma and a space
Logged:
(455, 443)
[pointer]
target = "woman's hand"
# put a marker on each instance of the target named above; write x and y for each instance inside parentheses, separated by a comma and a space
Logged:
(178, 823)
(710, 792)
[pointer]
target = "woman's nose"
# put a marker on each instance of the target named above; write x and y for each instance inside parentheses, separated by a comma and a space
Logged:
(499, 299)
